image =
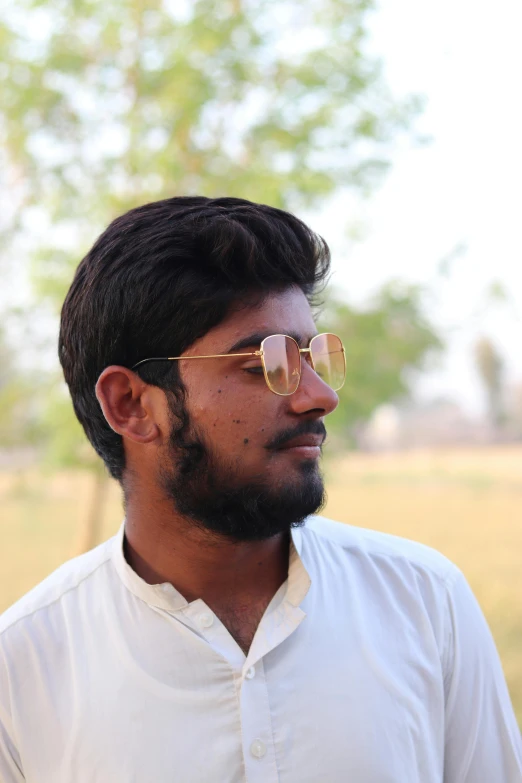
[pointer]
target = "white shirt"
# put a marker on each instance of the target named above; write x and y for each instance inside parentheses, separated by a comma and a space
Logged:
(372, 664)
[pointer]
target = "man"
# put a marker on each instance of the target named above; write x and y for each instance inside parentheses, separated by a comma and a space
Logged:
(226, 633)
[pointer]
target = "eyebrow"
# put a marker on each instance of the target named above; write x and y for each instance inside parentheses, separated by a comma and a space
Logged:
(255, 340)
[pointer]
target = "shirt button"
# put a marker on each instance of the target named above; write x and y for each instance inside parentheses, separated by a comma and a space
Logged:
(250, 673)
(258, 748)
(206, 619)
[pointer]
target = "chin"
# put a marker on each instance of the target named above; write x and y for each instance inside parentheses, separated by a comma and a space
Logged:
(303, 466)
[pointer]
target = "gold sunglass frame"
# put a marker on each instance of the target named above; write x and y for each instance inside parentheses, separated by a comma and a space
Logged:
(261, 354)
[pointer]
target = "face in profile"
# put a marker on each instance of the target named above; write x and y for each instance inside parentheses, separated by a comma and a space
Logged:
(225, 465)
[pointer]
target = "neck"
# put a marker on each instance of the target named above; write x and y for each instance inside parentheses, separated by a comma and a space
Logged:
(162, 546)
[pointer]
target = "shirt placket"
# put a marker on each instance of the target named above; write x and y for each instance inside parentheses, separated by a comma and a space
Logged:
(257, 737)
(258, 745)
(199, 616)
(249, 672)
(259, 751)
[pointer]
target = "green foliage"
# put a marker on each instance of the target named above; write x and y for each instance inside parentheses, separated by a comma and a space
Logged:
(109, 104)
(106, 105)
(16, 424)
(36, 411)
(386, 343)
(61, 435)
(18, 411)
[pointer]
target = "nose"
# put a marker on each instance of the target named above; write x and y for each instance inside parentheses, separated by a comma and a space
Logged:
(313, 394)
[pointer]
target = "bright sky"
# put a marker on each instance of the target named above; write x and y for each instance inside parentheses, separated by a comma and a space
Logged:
(463, 189)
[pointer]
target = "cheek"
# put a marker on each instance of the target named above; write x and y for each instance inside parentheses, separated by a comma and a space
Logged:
(235, 420)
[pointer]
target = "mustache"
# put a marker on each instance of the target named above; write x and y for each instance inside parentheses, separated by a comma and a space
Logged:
(306, 428)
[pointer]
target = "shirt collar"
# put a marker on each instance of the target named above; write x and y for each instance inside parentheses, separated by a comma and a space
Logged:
(165, 596)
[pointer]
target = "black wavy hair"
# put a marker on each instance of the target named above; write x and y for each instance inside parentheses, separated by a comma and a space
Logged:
(161, 276)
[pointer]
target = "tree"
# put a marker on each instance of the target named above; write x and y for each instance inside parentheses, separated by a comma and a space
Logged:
(386, 343)
(490, 368)
(109, 104)
(19, 412)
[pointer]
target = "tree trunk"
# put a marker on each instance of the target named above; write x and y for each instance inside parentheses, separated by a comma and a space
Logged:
(92, 522)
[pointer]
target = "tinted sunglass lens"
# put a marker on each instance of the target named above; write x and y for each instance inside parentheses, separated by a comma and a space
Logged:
(282, 363)
(328, 358)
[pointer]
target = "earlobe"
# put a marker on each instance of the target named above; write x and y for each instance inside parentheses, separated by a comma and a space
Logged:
(127, 407)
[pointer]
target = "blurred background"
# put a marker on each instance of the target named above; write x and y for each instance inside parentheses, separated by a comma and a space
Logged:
(394, 129)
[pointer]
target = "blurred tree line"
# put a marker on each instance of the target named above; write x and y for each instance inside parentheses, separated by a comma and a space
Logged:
(490, 367)
(105, 105)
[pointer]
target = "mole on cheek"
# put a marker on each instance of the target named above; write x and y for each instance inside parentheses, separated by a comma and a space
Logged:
(245, 440)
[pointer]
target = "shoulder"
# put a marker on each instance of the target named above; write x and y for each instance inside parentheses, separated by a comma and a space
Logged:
(380, 548)
(66, 579)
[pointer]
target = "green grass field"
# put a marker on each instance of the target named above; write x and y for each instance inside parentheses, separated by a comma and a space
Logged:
(465, 503)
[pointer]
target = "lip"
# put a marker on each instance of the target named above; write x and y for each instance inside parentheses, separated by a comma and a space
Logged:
(309, 452)
(308, 446)
(302, 441)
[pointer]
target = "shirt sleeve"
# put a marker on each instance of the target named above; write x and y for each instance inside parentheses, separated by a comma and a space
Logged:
(482, 738)
(10, 765)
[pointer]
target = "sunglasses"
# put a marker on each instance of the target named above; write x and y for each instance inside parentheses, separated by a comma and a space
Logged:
(281, 361)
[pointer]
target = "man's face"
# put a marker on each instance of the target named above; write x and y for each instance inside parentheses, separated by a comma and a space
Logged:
(227, 467)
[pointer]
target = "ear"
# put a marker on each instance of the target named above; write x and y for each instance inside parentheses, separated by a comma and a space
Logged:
(130, 406)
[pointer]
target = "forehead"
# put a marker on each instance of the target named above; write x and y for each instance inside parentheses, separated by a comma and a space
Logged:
(285, 312)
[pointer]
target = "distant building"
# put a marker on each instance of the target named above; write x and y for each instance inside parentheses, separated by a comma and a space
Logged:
(439, 422)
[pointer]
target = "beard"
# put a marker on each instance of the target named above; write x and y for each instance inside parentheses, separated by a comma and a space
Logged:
(209, 491)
